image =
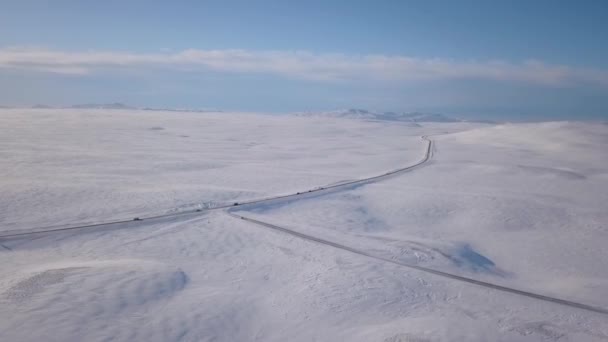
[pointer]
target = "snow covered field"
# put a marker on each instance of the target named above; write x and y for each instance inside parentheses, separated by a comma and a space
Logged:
(516, 205)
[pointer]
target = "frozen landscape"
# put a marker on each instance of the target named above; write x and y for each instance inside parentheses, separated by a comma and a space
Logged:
(342, 226)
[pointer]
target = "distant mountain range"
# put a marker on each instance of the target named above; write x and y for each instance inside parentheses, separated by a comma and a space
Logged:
(353, 113)
(363, 114)
(115, 105)
(118, 105)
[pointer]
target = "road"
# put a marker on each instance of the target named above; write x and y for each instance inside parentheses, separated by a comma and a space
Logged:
(428, 155)
(421, 268)
(228, 208)
(131, 222)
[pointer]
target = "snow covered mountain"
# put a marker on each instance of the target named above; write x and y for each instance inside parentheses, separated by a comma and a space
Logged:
(41, 106)
(364, 114)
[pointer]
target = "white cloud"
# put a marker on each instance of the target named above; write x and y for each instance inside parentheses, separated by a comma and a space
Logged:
(302, 65)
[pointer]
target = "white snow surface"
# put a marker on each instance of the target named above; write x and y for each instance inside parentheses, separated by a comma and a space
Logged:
(518, 205)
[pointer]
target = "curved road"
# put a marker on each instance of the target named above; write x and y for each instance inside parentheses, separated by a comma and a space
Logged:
(127, 223)
(427, 157)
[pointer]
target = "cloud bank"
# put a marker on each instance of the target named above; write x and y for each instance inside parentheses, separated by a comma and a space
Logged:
(302, 65)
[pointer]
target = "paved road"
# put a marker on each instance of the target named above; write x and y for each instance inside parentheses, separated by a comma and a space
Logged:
(427, 157)
(131, 222)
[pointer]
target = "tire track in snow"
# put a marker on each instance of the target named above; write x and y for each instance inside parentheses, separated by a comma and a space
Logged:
(24, 233)
(423, 269)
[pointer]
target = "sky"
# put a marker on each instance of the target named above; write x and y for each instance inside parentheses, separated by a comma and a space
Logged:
(519, 60)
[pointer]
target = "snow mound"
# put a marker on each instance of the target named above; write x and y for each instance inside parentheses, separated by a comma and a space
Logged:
(72, 298)
(559, 136)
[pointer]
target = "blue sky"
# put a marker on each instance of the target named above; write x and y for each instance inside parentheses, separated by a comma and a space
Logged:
(508, 59)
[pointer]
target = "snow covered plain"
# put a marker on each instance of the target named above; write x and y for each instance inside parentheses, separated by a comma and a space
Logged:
(519, 205)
